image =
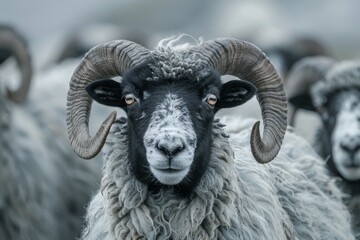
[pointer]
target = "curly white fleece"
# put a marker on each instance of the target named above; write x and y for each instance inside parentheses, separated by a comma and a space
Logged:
(293, 197)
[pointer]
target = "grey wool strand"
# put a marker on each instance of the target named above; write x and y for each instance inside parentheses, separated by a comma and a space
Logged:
(292, 197)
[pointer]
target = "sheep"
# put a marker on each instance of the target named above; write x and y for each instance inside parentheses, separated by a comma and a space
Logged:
(44, 189)
(332, 90)
(12, 43)
(170, 171)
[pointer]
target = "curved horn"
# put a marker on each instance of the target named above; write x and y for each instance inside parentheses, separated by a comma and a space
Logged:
(246, 61)
(15, 45)
(304, 75)
(103, 61)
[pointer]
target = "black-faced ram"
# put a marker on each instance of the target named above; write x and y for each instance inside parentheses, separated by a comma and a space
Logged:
(332, 90)
(170, 170)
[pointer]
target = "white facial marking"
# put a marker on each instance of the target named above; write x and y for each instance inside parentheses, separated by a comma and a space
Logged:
(146, 95)
(345, 140)
(170, 141)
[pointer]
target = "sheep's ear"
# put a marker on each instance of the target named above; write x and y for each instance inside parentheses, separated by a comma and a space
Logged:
(235, 93)
(107, 92)
(302, 101)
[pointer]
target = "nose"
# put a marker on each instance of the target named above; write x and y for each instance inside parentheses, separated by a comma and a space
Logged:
(170, 146)
(350, 148)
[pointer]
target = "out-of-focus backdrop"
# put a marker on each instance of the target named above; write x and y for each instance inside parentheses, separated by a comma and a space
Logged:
(333, 22)
(51, 25)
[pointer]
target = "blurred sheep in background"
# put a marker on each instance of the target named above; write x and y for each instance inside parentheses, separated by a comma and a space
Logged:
(332, 90)
(44, 186)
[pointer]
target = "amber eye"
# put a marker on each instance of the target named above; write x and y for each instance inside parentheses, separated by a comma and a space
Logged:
(129, 99)
(211, 99)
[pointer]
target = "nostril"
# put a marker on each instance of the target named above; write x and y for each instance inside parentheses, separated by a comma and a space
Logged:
(345, 147)
(163, 149)
(357, 148)
(176, 150)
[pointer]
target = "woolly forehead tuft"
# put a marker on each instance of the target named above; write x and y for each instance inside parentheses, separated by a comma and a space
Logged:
(173, 59)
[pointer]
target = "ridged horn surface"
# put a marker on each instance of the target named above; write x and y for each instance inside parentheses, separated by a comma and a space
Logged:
(304, 75)
(103, 61)
(247, 62)
(16, 46)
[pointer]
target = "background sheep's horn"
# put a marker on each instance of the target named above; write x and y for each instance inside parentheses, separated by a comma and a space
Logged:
(304, 75)
(246, 61)
(103, 61)
(12, 44)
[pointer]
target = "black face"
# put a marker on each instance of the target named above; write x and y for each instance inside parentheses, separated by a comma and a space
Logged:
(170, 122)
(331, 110)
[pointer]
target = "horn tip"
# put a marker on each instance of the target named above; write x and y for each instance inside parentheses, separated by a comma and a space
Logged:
(258, 147)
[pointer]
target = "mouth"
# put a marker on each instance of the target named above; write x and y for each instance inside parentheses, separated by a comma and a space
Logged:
(351, 165)
(169, 170)
(169, 176)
